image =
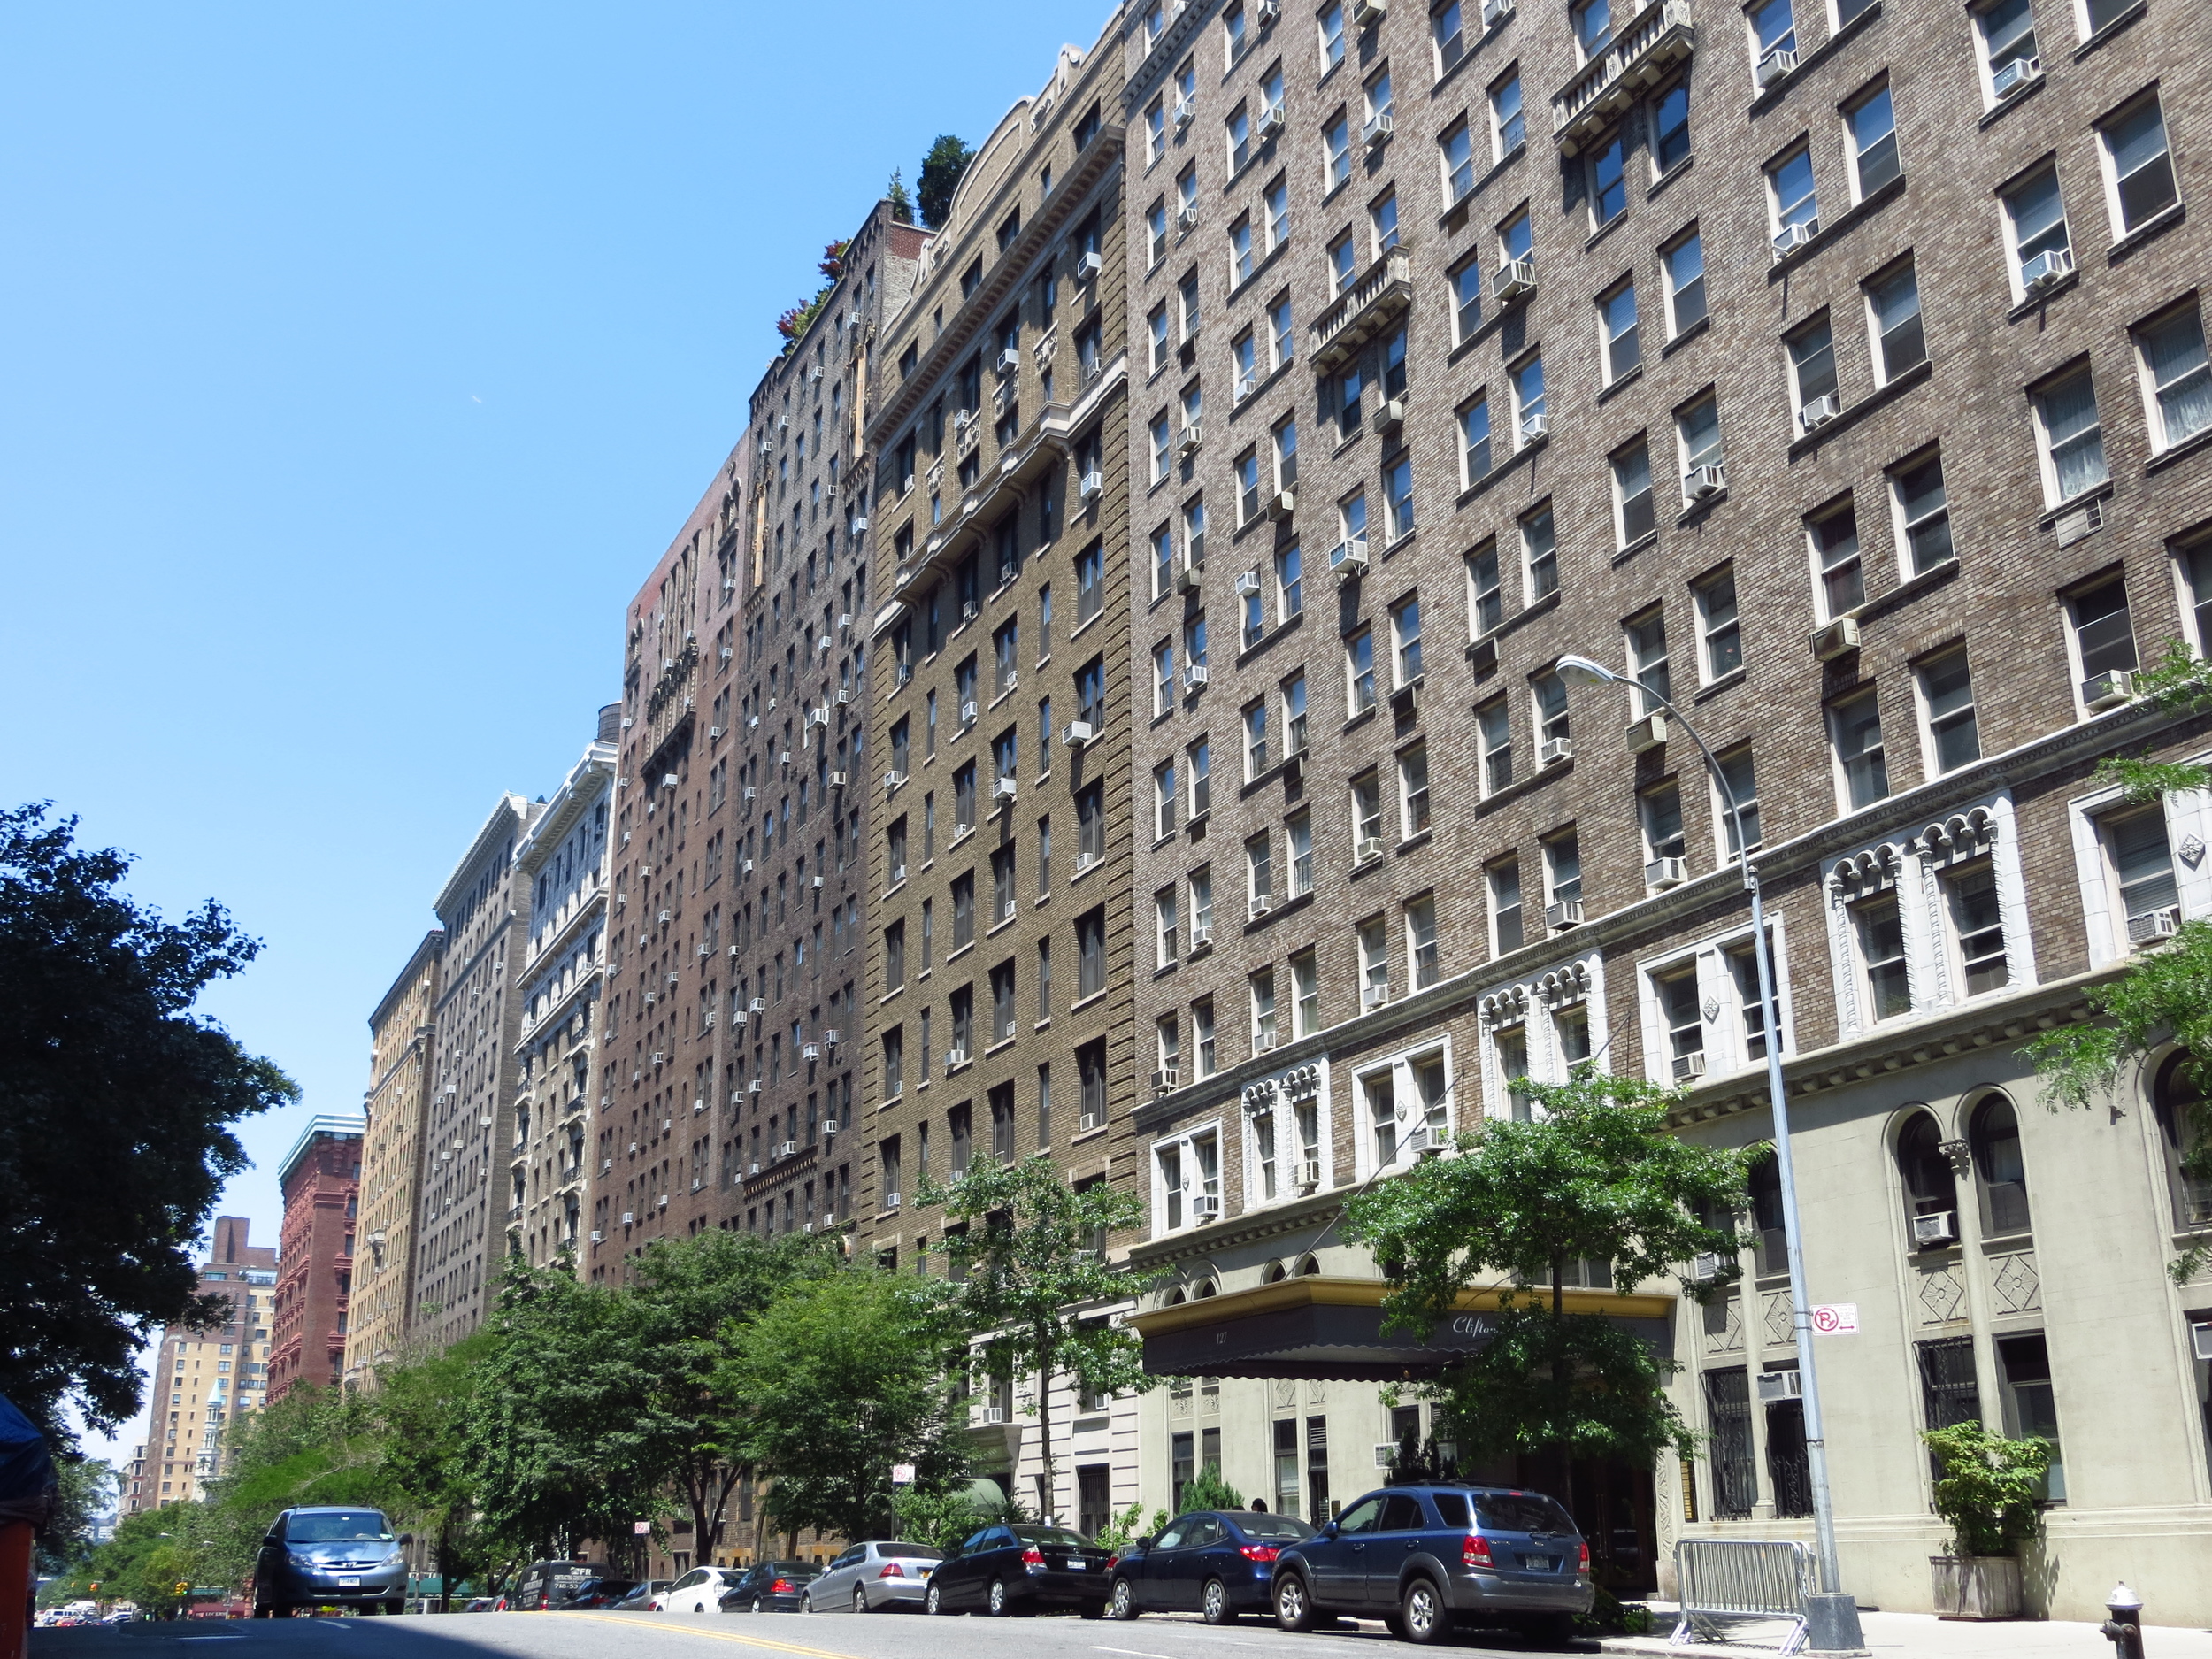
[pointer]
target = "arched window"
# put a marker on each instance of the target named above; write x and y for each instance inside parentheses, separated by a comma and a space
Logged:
(1931, 1187)
(1309, 1268)
(1204, 1290)
(1275, 1274)
(1766, 1215)
(1993, 1132)
(2186, 1127)
(1175, 1297)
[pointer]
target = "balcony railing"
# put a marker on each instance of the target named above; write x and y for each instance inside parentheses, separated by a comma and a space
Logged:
(1649, 43)
(1377, 299)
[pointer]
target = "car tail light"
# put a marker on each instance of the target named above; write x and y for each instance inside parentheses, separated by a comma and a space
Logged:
(1260, 1552)
(1034, 1559)
(780, 1587)
(892, 1569)
(1475, 1552)
(1585, 1566)
(1113, 1560)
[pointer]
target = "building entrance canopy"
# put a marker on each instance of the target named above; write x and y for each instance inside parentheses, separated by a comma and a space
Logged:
(1332, 1330)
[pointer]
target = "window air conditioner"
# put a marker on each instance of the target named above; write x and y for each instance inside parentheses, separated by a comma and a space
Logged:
(1516, 279)
(2016, 76)
(1369, 847)
(810, 1051)
(651, 997)
(786, 1148)
(1005, 789)
(1201, 938)
(1093, 485)
(837, 781)
(1775, 63)
(1780, 1385)
(752, 1086)
(1308, 1173)
(1088, 266)
(1666, 872)
(2200, 1337)
(860, 525)
(1379, 126)
(1185, 111)
(628, 1217)
(1836, 638)
(2152, 926)
(1186, 217)
(1205, 1207)
(1262, 904)
(1649, 732)
(1165, 1079)
(2107, 690)
(1268, 10)
(753, 1168)
(1820, 411)
(1196, 676)
(892, 779)
(1534, 426)
(666, 916)
(1077, 732)
(1010, 362)
(1248, 584)
(759, 1005)
(669, 780)
(1688, 1067)
(2046, 269)
(1562, 913)
(1941, 1228)
(1367, 12)
(1701, 483)
(1705, 1270)
(713, 731)
(990, 1415)
(1272, 120)
(1555, 749)
(1795, 236)
(968, 611)
(891, 1199)
(1495, 11)
(968, 712)
(1193, 434)
(1349, 558)
(597, 1237)
(956, 1057)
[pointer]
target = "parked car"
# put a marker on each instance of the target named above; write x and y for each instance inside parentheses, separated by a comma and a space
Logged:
(549, 1586)
(1020, 1569)
(1426, 1558)
(329, 1557)
(698, 1591)
(642, 1598)
(773, 1586)
(873, 1576)
(482, 1604)
(1220, 1562)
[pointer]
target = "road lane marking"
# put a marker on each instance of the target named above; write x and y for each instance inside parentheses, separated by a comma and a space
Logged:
(722, 1635)
(1137, 1652)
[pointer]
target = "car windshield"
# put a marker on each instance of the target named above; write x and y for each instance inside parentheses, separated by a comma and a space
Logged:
(337, 1526)
(1051, 1536)
(911, 1552)
(1519, 1512)
(785, 1569)
(1262, 1524)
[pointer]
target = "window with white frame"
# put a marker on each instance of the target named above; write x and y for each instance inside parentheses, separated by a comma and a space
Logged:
(1285, 435)
(1635, 517)
(2176, 377)
(1167, 1052)
(1698, 446)
(1201, 884)
(1811, 351)
(1382, 224)
(2070, 436)
(1720, 632)
(1154, 131)
(1684, 261)
(2193, 565)
(1281, 348)
(1457, 151)
(1832, 535)
(1792, 202)
(1254, 740)
(1508, 1048)
(2034, 216)
(1609, 180)
(1305, 989)
(1201, 1028)
(1163, 448)
(1466, 285)
(1379, 1098)
(2139, 856)
(2139, 168)
(1298, 844)
(1164, 676)
(1494, 724)
(1923, 511)
(1278, 200)
(1855, 726)
(1236, 134)
(1331, 21)
(1260, 992)
(1592, 22)
(1742, 779)
(1474, 442)
(1503, 880)
(1947, 704)
(1528, 401)
(1517, 237)
(1648, 666)
(1166, 927)
(1398, 497)
(1405, 635)
(1548, 693)
(1188, 1180)
(1164, 800)
(1244, 365)
(1975, 929)
(2103, 638)
(1681, 1012)
(1366, 796)
(1659, 810)
(1562, 877)
(1669, 128)
(1294, 695)
(1616, 331)
(2009, 62)
(1486, 594)
(1198, 759)
(1892, 309)
(1755, 1020)
(1266, 1181)
(1508, 130)
(1878, 935)
(1871, 123)
(1773, 38)
(1374, 964)
(2092, 17)
(1539, 553)
(1413, 791)
(1359, 672)
(1336, 152)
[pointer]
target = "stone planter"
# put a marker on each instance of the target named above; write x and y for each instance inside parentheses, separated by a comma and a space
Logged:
(1977, 1587)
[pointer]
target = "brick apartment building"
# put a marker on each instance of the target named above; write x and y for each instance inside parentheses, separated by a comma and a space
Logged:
(562, 861)
(321, 1178)
(1838, 372)
(998, 983)
(395, 1105)
(203, 1379)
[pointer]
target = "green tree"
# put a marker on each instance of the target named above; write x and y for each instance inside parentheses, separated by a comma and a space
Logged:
(902, 203)
(100, 1048)
(2164, 996)
(422, 1407)
(1209, 1491)
(1026, 1257)
(845, 1376)
(1596, 1174)
(84, 1489)
(941, 171)
(1987, 1487)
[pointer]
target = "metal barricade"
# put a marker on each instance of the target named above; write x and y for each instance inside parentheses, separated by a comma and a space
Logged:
(1725, 1581)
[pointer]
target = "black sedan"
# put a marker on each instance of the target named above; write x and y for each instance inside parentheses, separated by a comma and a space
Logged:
(773, 1586)
(1006, 1571)
(1221, 1562)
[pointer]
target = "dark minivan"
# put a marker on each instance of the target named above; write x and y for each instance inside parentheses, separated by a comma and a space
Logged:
(329, 1557)
(1426, 1558)
(1020, 1569)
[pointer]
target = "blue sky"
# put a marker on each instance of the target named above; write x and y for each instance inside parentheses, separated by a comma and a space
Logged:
(360, 361)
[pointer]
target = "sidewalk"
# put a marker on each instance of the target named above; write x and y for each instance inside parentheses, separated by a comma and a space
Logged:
(1889, 1634)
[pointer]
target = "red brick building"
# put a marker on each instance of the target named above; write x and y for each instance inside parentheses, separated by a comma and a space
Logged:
(321, 1179)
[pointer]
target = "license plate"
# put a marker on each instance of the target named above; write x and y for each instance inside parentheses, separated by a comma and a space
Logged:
(349, 1584)
(1077, 1566)
(1541, 1563)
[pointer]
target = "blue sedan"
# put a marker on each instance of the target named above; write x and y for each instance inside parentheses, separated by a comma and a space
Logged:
(1218, 1563)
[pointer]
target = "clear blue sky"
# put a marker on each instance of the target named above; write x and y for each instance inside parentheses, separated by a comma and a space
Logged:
(359, 363)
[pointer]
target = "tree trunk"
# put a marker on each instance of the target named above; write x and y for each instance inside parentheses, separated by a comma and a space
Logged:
(1559, 1377)
(1048, 1482)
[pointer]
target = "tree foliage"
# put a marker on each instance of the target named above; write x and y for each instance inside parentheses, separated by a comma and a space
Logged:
(902, 203)
(1594, 1175)
(1208, 1490)
(99, 1048)
(1987, 1487)
(943, 170)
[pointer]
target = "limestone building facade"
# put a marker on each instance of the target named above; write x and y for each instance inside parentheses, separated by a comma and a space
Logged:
(395, 1105)
(204, 1379)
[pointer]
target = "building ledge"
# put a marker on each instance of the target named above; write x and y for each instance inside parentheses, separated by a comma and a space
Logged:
(1377, 299)
(1654, 41)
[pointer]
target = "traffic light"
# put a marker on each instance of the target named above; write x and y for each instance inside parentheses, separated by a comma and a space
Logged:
(92, 1589)
(184, 1587)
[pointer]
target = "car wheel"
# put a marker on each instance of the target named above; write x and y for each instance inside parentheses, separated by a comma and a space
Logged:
(933, 1600)
(1122, 1605)
(1293, 1606)
(860, 1598)
(757, 1606)
(806, 1600)
(998, 1598)
(1422, 1616)
(1213, 1603)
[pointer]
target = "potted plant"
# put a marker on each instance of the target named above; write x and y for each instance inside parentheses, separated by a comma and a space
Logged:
(1987, 1488)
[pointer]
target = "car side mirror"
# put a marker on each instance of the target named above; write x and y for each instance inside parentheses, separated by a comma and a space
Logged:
(271, 1541)
(1329, 1530)
(405, 1539)
(1144, 1543)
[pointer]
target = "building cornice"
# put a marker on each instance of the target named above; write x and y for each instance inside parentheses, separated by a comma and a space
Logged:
(588, 780)
(322, 1123)
(433, 945)
(510, 815)
(1190, 17)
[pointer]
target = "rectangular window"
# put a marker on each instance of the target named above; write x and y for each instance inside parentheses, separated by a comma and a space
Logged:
(963, 911)
(1609, 182)
(1873, 128)
(1486, 596)
(1562, 872)
(1474, 442)
(1648, 660)
(1374, 964)
(2072, 438)
(1892, 305)
(1812, 357)
(1697, 440)
(1305, 980)
(1359, 671)
(1366, 817)
(1924, 512)
(1743, 784)
(1947, 699)
(2009, 61)
(1336, 153)
(1201, 907)
(1398, 497)
(1494, 724)
(1678, 998)
(1261, 989)
(1457, 152)
(1977, 930)
(1508, 132)
(1259, 875)
(1298, 836)
(2035, 225)
(1278, 206)
(1294, 717)
(1791, 200)
(1671, 129)
(1200, 755)
(1424, 956)
(1659, 808)
(1555, 730)
(1721, 635)
(2141, 859)
(1331, 24)
(2104, 637)
(1405, 633)
(1685, 263)
(1238, 133)
(1855, 724)
(1165, 928)
(1539, 554)
(1834, 539)
(1255, 740)
(1880, 933)
(1164, 801)
(1286, 436)
(2030, 1409)
(1090, 953)
(1634, 515)
(1202, 1019)
(1616, 332)
(2139, 170)
(1413, 792)
(2177, 377)
(1504, 880)
(1528, 402)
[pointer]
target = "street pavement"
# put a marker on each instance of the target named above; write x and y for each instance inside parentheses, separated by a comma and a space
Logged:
(844, 1635)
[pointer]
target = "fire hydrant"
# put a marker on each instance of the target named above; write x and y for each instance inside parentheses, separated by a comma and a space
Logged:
(2124, 1629)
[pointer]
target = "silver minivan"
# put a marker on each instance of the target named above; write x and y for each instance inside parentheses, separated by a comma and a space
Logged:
(871, 1577)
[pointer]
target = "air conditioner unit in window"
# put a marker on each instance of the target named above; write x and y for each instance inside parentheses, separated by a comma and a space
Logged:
(1562, 913)
(1248, 584)
(1201, 938)
(2200, 1337)
(810, 1051)
(759, 1005)
(1369, 847)
(991, 1414)
(754, 1168)
(1284, 503)
(1267, 12)
(1196, 676)
(1077, 732)
(1495, 11)
(837, 781)
(1534, 426)
(1516, 279)
(1193, 435)
(860, 525)
(628, 1217)
(1008, 362)
(786, 1148)
(1705, 1270)
(1649, 732)
(1836, 638)
(2014, 76)
(1367, 12)
(1390, 414)
(1272, 120)
(1349, 558)
(1689, 1067)
(1005, 789)
(1193, 577)
(2152, 926)
(597, 1237)
(1666, 872)
(1308, 1173)
(967, 713)
(2046, 269)
(1379, 126)
(1165, 1079)
(666, 915)
(1088, 266)
(1780, 1385)
(1820, 411)
(1775, 63)
(1262, 904)
(956, 1057)
(1205, 1207)
(1701, 483)
(2107, 690)
(1555, 749)
(1186, 217)
(1093, 485)
(1941, 1228)
(752, 1086)
(892, 779)
(1185, 111)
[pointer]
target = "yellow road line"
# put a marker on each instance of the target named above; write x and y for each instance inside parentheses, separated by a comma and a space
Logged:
(719, 1635)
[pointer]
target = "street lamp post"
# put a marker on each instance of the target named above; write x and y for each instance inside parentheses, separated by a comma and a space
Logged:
(1831, 1616)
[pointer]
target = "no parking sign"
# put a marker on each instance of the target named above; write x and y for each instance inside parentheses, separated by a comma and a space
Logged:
(1837, 1319)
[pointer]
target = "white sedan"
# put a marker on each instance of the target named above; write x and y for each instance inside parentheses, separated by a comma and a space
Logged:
(698, 1591)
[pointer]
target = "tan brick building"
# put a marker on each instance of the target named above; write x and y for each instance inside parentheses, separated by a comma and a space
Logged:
(401, 1034)
(203, 1379)
(1838, 373)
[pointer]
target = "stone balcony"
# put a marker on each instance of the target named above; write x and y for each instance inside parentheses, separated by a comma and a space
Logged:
(1375, 301)
(1649, 43)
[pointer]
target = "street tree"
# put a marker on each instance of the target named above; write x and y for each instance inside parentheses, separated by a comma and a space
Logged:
(1594, 1175)
(845, 1376)
(102, 1056)
(1029, 1277)
(422, 1407)
(943, 170)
